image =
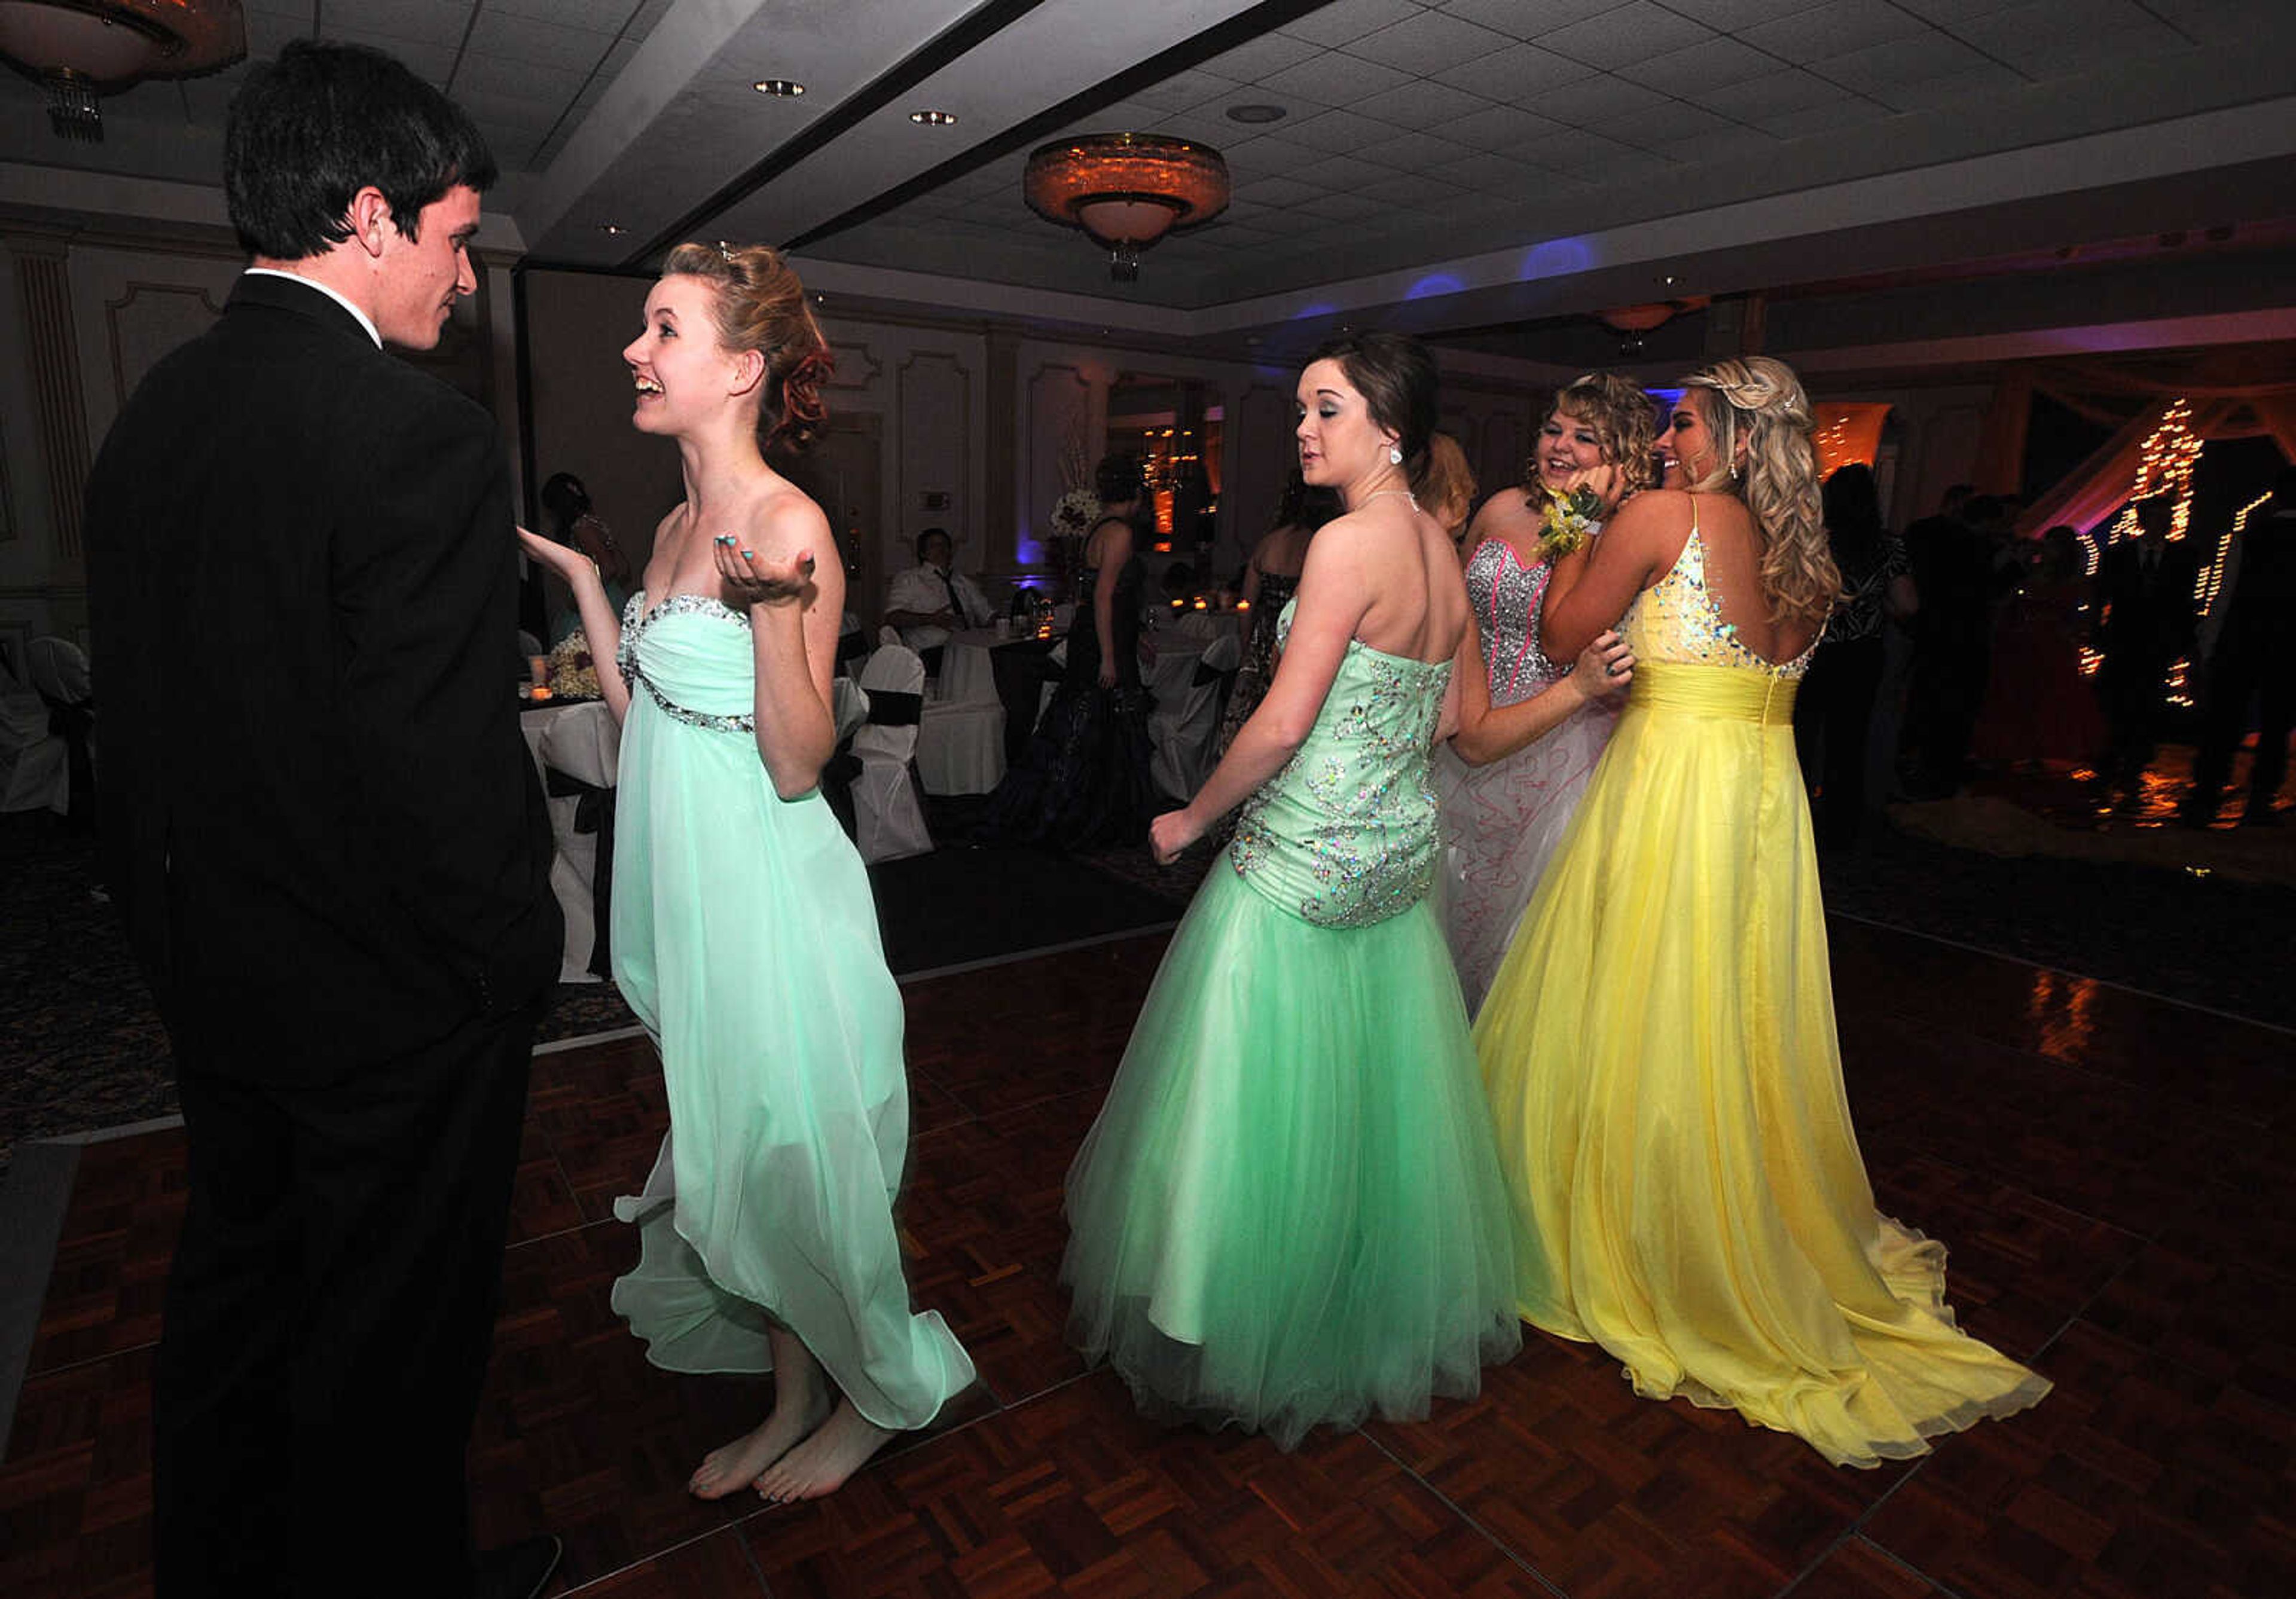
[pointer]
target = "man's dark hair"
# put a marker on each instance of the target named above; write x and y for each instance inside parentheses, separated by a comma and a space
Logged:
(312, 128)
(927, 536)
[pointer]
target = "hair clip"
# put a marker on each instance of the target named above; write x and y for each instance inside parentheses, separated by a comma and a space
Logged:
(726, 250)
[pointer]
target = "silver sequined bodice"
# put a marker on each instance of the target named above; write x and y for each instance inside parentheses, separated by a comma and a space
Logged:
(1507, 597)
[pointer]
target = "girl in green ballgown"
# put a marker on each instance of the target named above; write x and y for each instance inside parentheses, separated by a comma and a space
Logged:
(1290, 1210)
(743, 932)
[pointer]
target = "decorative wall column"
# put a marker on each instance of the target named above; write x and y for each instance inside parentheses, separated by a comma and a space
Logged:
(500, 304)
(51, 337)
(1004, 519)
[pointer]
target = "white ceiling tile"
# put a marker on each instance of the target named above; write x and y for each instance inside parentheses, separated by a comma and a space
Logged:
(433, 64)
(1834, 28)
(1340, 173)
(1255, 60)
(2059, 38)
(2249, 23)
(1637, 30)
(1487, 173)
(1420, 105)
(1411, 150)
(1344, 19)
(1341, 208)
(1683, 72)
(1526, 18)
(1930, 92)
(1273, 158)
(1595, 98)
(1217, 132)
(1332, 78)
(1276, 191)
(1870, 70)
(1573, 148)
(1729, 16)
(599, 16)
(1336, 130)
(515, 80)
(1730, 142)
(1631, 166)
(1792, 90)
(1183, 90)
(1514, 75)
(1416, 188)
(431, 21)
(1497, 128)
(1657, 129)
(528, 39)
(1951, 11)
(1831, 116)
(1425, 44)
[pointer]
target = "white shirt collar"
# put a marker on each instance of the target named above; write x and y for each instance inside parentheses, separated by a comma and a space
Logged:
(365, 321)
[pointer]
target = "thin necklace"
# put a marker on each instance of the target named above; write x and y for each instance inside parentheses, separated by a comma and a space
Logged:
(1406, 493)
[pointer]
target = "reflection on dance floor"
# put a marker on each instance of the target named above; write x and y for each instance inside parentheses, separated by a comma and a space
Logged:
(2106, 1167)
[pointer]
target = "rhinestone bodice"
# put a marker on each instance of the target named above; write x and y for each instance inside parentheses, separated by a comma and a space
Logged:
(1679, 619)
(1345, 834)
(693, 666)
(1508, 598)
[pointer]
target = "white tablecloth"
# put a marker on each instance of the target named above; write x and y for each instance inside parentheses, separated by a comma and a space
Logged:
(966, 676)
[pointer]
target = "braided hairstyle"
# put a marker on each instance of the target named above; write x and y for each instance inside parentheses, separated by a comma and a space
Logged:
(760, 306)
(1759, 417)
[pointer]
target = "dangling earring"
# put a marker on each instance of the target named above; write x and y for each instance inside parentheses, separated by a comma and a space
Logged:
(1395, 454)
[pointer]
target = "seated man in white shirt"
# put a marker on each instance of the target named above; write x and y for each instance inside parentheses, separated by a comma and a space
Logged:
(929, 601)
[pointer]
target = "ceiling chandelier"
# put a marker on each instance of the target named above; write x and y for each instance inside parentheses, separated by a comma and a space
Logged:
(78, 49)
(1127, 190)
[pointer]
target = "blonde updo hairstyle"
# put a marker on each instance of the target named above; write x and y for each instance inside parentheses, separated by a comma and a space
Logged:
(1625, 424)
(1759, 417)
(760, 305)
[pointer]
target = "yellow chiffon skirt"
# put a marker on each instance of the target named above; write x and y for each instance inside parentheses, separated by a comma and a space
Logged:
(1659, 1052)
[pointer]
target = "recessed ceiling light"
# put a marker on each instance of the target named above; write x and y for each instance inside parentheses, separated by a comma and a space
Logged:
(933, 118)
(781, 88)
(1256, 112)
(615, 228)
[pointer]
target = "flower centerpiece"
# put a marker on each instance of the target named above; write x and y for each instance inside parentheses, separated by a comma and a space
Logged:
(1571, 519)
(573, 675)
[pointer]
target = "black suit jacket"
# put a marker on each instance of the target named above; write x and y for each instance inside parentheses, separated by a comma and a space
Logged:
(2147, 618)
(319, 820)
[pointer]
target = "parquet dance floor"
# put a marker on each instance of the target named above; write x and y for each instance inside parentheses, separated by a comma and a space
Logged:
(2109, 1169)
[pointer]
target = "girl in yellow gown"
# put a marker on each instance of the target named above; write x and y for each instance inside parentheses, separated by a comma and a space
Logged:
(1659, 1044)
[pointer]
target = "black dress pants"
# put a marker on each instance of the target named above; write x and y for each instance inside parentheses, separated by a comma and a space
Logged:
(2255, 663)
(1833, 712)
(328, 1316)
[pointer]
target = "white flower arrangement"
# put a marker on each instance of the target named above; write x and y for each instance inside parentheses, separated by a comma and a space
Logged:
(1075, 515)
(573, 675)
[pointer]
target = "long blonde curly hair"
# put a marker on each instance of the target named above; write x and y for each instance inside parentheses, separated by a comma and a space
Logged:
(1760, 402)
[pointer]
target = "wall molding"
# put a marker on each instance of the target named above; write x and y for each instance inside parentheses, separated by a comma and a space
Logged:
(136, 290)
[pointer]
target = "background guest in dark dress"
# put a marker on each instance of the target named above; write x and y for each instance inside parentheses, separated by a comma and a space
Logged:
(1952, 563)
(2145, 597)
(1269, 579)
(1835, 708)
(329, 844)
(1084, 780)
(2254, 661)
(2039, 708)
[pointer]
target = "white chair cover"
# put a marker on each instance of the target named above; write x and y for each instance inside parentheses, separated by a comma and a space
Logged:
(1184, 727)
(58, 670)
(888, 822)
(848, 706)
(33, 771)
(961, 747)
(585, 743)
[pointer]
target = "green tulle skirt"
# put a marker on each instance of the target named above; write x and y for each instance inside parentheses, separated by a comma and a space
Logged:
(1290, 1211)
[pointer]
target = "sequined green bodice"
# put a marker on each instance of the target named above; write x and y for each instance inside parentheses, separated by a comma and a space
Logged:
(1679, 619)
(1344, 835)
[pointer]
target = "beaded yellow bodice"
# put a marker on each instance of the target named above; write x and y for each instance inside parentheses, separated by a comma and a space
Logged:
(1679, 619)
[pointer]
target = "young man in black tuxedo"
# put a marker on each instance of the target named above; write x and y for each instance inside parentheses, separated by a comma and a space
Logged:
(331, 850)
(2146, 620)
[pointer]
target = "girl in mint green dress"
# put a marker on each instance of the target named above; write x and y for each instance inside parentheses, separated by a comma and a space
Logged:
(743, 934)
(1290, 1211)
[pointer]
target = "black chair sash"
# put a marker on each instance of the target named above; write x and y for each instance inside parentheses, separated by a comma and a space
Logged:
(594, 812)
(890, 709)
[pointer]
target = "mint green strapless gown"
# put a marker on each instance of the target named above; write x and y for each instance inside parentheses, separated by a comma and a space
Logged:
(1290, 1211)
(745, 939)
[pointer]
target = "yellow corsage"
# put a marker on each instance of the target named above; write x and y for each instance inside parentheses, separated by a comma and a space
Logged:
(1571, 521)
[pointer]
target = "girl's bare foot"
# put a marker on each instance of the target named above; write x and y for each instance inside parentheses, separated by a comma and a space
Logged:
(821, 1465)
(800, 1401)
